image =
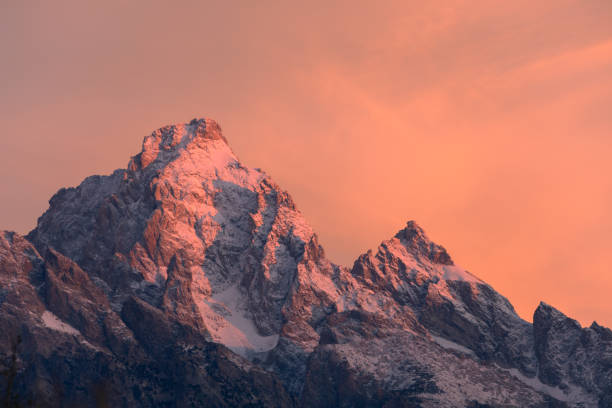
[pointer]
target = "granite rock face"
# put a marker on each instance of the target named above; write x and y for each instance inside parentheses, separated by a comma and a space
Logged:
(74, 350)
(188, 279)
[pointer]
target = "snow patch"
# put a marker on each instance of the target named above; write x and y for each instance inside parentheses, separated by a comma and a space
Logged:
(53, 322)
(575, 395)
(229, 325)
(453, 272)
(451, 345)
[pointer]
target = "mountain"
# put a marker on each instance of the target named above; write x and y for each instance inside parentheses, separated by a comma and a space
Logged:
(188, 279)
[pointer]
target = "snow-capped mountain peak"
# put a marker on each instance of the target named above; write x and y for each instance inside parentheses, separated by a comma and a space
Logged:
(169, 142)
(152, 271)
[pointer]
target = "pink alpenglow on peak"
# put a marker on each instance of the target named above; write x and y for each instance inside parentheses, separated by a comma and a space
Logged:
(173, 138)
(187, 224)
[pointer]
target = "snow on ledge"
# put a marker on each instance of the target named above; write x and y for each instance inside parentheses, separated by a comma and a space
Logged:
(453, 272)
(451, 345)
(53, 322)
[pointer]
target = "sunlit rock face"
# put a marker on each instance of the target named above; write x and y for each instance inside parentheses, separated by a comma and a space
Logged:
(190, 279)
(189, 229)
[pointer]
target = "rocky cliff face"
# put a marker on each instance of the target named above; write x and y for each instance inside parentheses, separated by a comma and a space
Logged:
(188, 279)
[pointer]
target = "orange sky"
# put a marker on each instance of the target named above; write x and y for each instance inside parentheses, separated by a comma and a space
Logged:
(489, 123)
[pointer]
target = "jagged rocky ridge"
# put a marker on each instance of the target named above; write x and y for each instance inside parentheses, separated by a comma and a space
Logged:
(188, 279)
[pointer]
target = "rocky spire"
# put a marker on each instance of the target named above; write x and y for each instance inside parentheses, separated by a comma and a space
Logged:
(416, 241)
